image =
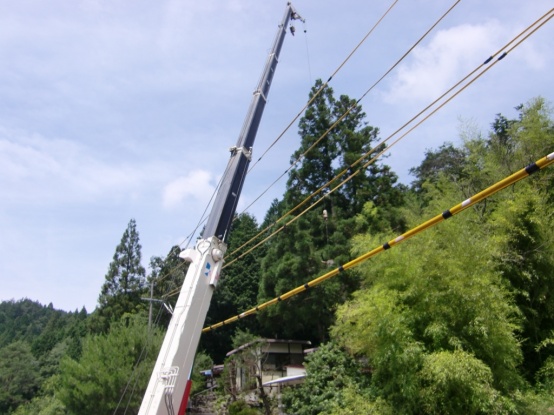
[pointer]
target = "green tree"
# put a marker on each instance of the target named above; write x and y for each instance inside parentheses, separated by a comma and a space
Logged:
(112, 374)
(522, 226)
(19, 376)
(330, 371)
(45, 403)
(124, 283)
(334, 136)
(315, 167)
(447, 160)
(439, 292)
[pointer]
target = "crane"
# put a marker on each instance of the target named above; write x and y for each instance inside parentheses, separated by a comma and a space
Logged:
(169, 386)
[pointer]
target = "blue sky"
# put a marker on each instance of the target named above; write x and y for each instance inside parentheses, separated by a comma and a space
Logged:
(112, 110)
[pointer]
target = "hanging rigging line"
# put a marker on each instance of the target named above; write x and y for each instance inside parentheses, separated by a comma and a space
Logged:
(546, 17)
(203, 218)
(498, 186)
(507, 49)
(320, 90)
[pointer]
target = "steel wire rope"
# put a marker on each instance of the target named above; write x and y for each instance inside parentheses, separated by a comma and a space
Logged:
(334, 125)
(398, 130)
(323, 87)
(307, 52)
(203, 219)
(476, 198)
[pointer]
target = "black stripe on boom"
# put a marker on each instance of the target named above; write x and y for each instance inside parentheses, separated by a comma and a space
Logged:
(446, 214)
(532, 168)
(386, 246)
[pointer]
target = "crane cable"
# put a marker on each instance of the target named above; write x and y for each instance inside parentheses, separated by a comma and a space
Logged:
(323, 86)
(188, 239)
(546, 17)
(332, 127)
(374, 158)
(498, 186)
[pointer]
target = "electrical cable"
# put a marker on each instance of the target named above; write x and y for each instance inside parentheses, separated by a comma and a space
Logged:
(546, 18)
(203, 219)
(489, 191)
(333, 126)
(327, 185)
(323, 86)
(291, 123)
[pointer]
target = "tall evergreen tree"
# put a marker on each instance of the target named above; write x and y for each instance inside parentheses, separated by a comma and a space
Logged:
(19, 376)
(314, 168)
(334, 136)
(125, 281)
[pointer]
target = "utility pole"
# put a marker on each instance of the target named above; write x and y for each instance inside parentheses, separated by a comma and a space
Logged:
(151, 300)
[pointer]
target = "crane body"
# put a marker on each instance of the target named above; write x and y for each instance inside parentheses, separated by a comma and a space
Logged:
(170, 383)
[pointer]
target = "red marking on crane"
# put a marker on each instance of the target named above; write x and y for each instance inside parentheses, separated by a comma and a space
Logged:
(184, 402)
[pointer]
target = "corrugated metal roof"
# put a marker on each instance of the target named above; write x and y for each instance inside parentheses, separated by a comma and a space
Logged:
(247, 345)
(285, 379)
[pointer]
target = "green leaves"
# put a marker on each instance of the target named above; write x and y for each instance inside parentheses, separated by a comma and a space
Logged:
(329, 371)
(113, 371)
(124, 282)
(19, 375)
(455, 382)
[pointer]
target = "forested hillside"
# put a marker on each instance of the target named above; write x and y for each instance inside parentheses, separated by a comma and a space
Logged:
(457, 320)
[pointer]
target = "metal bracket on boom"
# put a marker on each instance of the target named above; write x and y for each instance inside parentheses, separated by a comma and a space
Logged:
(214, 250)
(247, 152)
(169, 377)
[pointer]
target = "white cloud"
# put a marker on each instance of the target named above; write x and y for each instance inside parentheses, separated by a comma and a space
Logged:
(33, 167)
(196, 185)
(447, 58)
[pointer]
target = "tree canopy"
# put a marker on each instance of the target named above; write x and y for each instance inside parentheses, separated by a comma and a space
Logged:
(457, 320)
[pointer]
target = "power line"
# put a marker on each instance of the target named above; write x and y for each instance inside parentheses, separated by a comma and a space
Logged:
(188, 239)
(334, 125)
(323, 86)
(498, 186)
(524, 35)
(507, 49)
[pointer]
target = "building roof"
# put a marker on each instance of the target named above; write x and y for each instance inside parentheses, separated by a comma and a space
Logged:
(286, 379)
(247, 345)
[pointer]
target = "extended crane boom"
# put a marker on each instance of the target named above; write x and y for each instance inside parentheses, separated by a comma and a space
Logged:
(170, 382)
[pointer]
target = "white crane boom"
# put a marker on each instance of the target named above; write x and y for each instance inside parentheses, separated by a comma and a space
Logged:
(169, 386)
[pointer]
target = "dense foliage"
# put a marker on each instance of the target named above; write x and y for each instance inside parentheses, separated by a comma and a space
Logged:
(457, 320)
